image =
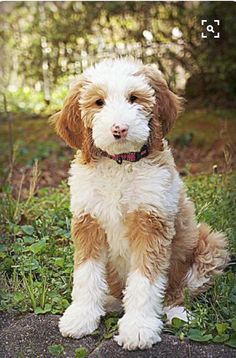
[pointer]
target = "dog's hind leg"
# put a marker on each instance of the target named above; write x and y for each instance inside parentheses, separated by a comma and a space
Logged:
(113, 301)
(209, 257)
(182, 249)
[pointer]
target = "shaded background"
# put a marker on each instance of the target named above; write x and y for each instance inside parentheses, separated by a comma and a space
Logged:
(45, 45)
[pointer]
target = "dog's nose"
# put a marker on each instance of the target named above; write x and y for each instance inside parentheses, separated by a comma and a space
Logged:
(119, 130)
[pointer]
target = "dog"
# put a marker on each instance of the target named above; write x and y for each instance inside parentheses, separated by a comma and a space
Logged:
(134, 229)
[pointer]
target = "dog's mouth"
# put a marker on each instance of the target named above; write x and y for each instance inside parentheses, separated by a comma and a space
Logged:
(119, 139)
(116, 136)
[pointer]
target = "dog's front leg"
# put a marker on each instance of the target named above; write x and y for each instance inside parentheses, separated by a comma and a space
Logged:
(89, 285)
(150, 240)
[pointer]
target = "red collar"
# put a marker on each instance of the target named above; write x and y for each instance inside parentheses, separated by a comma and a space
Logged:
(130, 156)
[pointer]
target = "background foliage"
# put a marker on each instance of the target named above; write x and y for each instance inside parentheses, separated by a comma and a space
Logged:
(44, 45)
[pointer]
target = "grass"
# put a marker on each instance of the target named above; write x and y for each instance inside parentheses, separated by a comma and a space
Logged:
(36, 256)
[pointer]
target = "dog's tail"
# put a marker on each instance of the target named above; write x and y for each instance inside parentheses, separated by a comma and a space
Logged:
(211, 256)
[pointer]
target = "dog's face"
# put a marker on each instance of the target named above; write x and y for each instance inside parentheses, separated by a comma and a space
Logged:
(118, 106)
(116, 103)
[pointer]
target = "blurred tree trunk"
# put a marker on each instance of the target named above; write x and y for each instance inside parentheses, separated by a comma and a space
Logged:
(43, 41)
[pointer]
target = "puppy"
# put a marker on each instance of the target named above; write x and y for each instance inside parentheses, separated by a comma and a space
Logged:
(134, 228)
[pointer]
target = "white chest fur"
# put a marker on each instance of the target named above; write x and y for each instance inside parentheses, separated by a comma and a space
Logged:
(109, 191)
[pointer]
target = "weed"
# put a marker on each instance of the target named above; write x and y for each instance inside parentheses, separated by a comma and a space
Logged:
(56, 349)
(81, 352)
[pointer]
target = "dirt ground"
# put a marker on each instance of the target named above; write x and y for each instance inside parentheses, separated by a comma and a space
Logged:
(29, 336)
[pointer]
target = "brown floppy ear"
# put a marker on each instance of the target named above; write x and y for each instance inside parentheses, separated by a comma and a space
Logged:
(68, 123)
(168, 105)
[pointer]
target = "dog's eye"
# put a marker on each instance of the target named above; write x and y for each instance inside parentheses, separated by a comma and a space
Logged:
(132, 98)
(99, 102)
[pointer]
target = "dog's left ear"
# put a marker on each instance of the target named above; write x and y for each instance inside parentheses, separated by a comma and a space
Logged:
(168, 105)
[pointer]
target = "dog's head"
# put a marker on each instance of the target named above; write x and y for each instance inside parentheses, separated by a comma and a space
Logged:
(118, 106)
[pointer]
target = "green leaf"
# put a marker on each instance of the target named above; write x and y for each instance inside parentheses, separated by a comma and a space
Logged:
(232, 341)
(177, 323)
(8, 262)
(18, 297)
(111, 324)
(233, 323)
(59, 261)
(14, 228)
(198, 336)
(3, 247)
(232, 296)
(46, 309)
(27, 229)
(28, 239)
(220, 339)
(221, 328)
(38, 247)
(3, 255)
(81, 352)
(56, 349)
(38, 310)
(31, 264)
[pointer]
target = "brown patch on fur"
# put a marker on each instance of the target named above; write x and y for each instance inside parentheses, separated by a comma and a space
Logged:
(89, 95)
(150, 239)
(156, 134)
(88, 151)
(145, 97)
(89, 238)
(183, 244)
(114, 282)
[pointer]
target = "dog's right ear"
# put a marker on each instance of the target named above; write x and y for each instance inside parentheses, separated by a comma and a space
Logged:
(68, 122)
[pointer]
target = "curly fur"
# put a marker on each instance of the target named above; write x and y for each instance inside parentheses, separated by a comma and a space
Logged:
(134, 228)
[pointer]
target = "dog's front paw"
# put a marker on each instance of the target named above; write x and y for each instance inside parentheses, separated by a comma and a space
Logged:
(77, 321)
(138, 332)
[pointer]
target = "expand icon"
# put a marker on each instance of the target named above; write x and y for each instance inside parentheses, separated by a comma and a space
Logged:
(210, 29)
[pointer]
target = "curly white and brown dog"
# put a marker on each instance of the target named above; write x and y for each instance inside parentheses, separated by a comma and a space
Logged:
(134, 228)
